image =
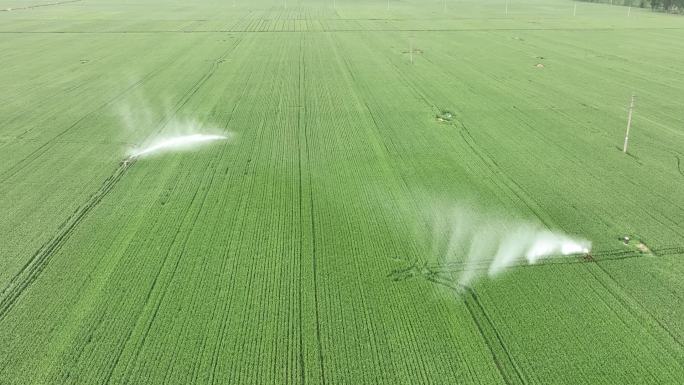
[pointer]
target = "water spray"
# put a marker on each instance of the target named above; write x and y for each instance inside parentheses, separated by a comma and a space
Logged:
(485, 244)
(182, 142)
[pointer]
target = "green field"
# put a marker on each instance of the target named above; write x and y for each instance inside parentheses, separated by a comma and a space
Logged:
(317, 245)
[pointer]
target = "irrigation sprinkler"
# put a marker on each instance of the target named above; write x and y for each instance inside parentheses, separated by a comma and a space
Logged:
(629, 123)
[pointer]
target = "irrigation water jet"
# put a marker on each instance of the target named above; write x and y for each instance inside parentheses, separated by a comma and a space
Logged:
(478, 240)
(182, 142)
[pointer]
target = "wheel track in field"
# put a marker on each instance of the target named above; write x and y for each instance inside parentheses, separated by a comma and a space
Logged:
(39, 6)
(24, 162)
(90, 331)
(182, 102)
(39, 260)
(219, 341)
(340, 30)
(346, 67)
(505, 364)
(511, 185)
(441, 275)
(639, 312)
(312, 219)
(427, 269)
(217, 346)
(487, 160)
(165, 288)
(302, 85)
(495, 169)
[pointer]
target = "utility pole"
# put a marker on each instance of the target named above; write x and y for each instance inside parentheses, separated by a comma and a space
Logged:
(629, 11)
(411, 49)
(574, 11)
(506, 7)
(629, 124)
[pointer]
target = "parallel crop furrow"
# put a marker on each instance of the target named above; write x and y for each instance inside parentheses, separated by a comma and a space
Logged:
(36, 264)
(43, 148)
(635, 307)
(507, 181)
(430, 269)
(39, 5)
(301, 121)
(314, 261)
(493, 339)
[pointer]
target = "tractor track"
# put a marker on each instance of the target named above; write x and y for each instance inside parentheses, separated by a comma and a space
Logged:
(441, 274)
(491, 337)
(432, 269)
(341, 30)
(624, 298)
(314, 263)
(39, 260)
(39, 6)
(24, 162)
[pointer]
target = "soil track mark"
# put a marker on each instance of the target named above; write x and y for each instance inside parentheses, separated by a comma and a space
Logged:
(36, 264)
(302, 124)
(503, 359)
(355, 30)
(635, 307)
(38, 6)
(428, 270)
(17, 167)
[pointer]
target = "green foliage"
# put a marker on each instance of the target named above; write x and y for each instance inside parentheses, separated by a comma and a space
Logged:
(302, 250)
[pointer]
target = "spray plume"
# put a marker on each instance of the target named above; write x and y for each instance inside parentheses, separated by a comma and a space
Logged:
(173, 134)
(182, 142)
(488, 244)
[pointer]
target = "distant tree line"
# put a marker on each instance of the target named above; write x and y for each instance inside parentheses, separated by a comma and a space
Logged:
(671, 6)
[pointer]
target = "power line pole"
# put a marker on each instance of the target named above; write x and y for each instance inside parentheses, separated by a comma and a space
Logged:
(629, 124)
(411, 49)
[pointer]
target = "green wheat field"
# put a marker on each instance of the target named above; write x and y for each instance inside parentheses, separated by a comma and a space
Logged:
(369, 208)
